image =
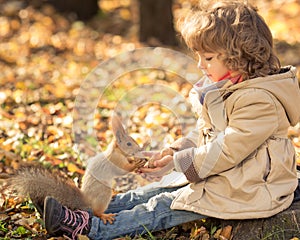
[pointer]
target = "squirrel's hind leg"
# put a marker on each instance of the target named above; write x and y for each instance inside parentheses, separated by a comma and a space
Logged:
(106, 217)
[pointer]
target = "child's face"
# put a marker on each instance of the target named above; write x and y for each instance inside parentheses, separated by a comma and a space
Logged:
(212, 66)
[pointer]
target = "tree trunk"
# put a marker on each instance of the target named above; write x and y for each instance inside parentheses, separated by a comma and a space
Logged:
(156, 21)
(284, 225)
(84, 9)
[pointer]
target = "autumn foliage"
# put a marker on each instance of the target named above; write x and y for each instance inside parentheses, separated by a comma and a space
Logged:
(44, 58)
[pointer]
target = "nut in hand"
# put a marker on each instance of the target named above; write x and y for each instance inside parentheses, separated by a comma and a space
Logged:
(151, 163)
(167, 151)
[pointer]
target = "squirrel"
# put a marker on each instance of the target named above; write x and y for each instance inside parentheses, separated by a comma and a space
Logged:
(123, 155)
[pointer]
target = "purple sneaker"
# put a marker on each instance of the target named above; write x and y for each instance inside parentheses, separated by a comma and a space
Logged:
(60, 220)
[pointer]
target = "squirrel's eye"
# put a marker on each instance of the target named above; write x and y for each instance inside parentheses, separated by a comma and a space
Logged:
(129, 144)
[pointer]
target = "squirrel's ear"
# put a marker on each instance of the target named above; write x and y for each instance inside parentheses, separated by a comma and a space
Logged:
(126, 143)
(117, 126)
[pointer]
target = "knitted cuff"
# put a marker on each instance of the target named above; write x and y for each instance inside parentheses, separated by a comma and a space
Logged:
(183, 161)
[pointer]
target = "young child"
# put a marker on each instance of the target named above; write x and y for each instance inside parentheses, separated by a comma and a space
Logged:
(238, 160)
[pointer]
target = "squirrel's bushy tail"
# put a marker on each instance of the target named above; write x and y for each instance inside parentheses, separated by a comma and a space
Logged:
(37, 183)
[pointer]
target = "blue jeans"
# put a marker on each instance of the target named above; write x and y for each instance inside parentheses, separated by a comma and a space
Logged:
(141, 210)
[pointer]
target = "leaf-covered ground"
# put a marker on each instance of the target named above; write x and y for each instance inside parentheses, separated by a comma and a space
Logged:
(44, 58)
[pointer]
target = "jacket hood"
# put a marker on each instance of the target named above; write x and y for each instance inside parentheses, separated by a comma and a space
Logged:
(284, 86)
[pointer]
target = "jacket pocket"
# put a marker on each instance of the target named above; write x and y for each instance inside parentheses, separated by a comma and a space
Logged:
(268, 165)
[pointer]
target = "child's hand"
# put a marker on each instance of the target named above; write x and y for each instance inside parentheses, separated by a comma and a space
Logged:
(155, 156)
(154, 164)
(157, 167)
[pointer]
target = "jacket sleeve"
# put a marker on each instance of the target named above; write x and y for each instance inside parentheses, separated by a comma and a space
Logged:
(193, 138)
(252, 120)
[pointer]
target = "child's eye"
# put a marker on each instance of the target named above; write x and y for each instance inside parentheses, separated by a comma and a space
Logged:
(208, 58)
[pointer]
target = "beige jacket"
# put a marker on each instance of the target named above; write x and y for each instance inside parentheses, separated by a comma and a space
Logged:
(243, 165)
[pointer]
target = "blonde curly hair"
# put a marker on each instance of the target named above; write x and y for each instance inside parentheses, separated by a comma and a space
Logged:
(237, 32)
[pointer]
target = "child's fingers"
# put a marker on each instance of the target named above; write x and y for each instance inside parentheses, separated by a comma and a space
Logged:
(166, 151)
(157, 165)
(163, 162)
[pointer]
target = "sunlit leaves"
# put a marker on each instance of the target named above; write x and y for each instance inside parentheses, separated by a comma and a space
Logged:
(44, 58)
(283, 18)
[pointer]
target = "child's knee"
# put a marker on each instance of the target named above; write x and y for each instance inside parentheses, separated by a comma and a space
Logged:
(160, 202)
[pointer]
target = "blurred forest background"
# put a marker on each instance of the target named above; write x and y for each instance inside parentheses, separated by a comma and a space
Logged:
(47, 49)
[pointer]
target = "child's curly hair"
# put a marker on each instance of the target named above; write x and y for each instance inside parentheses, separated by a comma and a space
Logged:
(236, 31)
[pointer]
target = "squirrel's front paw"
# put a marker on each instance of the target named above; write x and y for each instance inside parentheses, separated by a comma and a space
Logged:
(135, 163)
(140, 162)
